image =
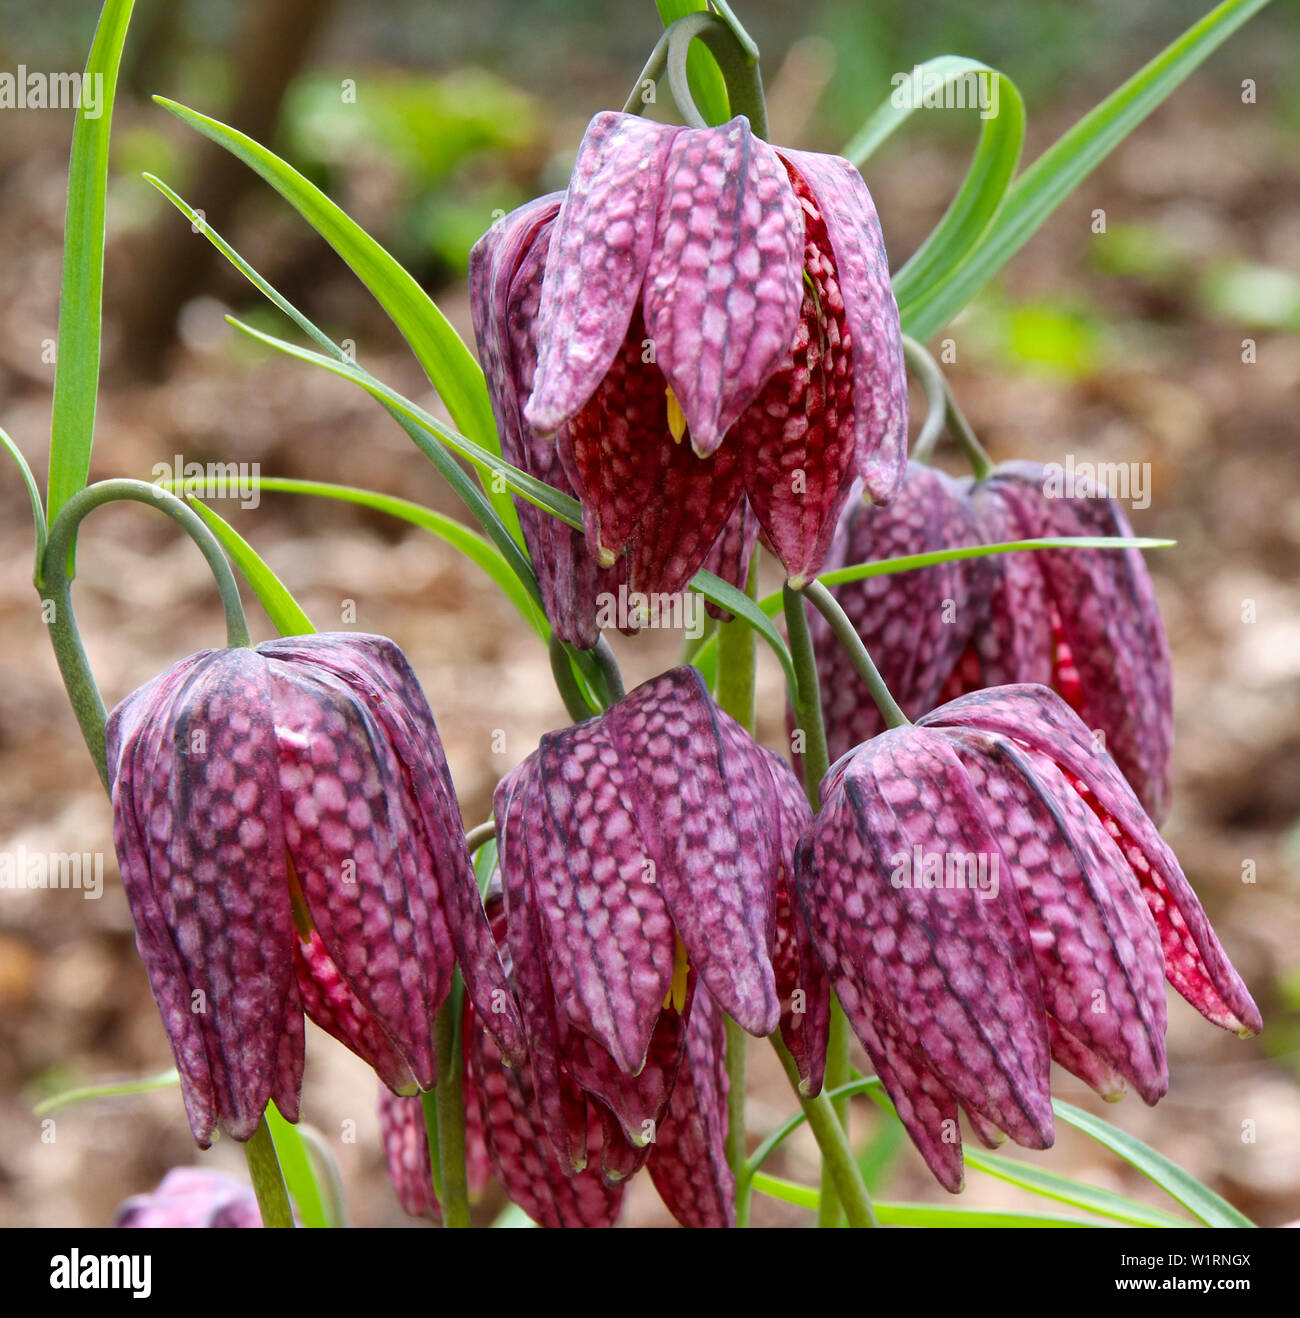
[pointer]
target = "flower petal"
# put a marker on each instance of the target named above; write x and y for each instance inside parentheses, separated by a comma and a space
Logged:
(949, 963)
(874, 336)
(703, 801)
(599, 251)
(723, 286)
(689, 1163)
(1195, 963)
(197, 825)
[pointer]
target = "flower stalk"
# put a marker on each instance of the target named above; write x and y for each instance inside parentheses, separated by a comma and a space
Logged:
(450, 1105)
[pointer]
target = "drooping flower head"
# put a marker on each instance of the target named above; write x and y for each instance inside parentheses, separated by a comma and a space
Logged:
(696, 282)
(1084, 621)
(986, 893)
(642, 854)
(289, 839)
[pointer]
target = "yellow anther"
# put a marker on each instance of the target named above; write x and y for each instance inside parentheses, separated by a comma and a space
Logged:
(676, 417)
(676, 998)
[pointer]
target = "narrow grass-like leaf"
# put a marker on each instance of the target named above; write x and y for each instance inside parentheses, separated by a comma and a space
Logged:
(1198, 1199)
(33, 491)
(442, 353)
(1062, 167)
(284, 611)
(299, 1173)
(473, 546)
(1002, 134)
(943, 1215)
(484, 511)
(1052, 1185)
(81, 301)
(546, 497)
(726, 596)
(113, 1089)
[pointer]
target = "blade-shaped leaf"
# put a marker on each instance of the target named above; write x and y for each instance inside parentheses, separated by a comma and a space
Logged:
(1062, 167)
(446, 360)
(284, 611)
(1198, 1199)
(479, 506)
(33, 491)
(1052, 1185)
(76, 370)
(1002, 134)
(299, 1173)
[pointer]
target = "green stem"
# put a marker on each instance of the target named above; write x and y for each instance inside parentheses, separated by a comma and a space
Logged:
(807, 696)
(844, 631)
(55, 587)
(653, 71)
(837, 1075)
(450, 1098)
(938, 390)
(263, 1165)
(609, 670)
(737, 669)
(739, 67)
(840, 1167)
(561, 669)
(480, 834)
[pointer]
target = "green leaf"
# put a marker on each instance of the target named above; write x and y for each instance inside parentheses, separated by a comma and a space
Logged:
(1052, 1185)
(908, 562)
(473, 546)
(931, 1215)
(944, 1215)
(281, 607)
(501, 533)
(546, 497)
(446, 360)
(33, 492)
(992, 168)
(1198, 1199)
(299, 1174)
(735, 601)
(81, 302)
(114, 1089)
(1060, 169)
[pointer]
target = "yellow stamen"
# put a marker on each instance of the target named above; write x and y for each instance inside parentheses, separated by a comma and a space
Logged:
(676, 997)
(676, 417)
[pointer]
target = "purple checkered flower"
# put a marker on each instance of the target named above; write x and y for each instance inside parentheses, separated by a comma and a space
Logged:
(1084, 621)
(691, 282)
(289, 839)
(986, 893)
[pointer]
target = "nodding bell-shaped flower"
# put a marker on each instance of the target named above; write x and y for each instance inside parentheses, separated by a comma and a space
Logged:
(1084, 621)
(289, 840)
(987, 893)
(641, 855)
(192, 1197)
(701, 284)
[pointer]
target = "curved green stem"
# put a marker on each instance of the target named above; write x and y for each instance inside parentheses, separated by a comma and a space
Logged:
(739, 67)
(450, 1102)
(654, 70)
(609, 670)
(55, 587)
(574, 701)
(937, 389)
(844, 631)
(816, 761)
(840, 1167)
(479, 834)
(737, 668)
(263, 1165)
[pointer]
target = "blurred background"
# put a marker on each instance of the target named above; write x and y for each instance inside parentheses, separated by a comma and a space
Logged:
(1125, 345)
